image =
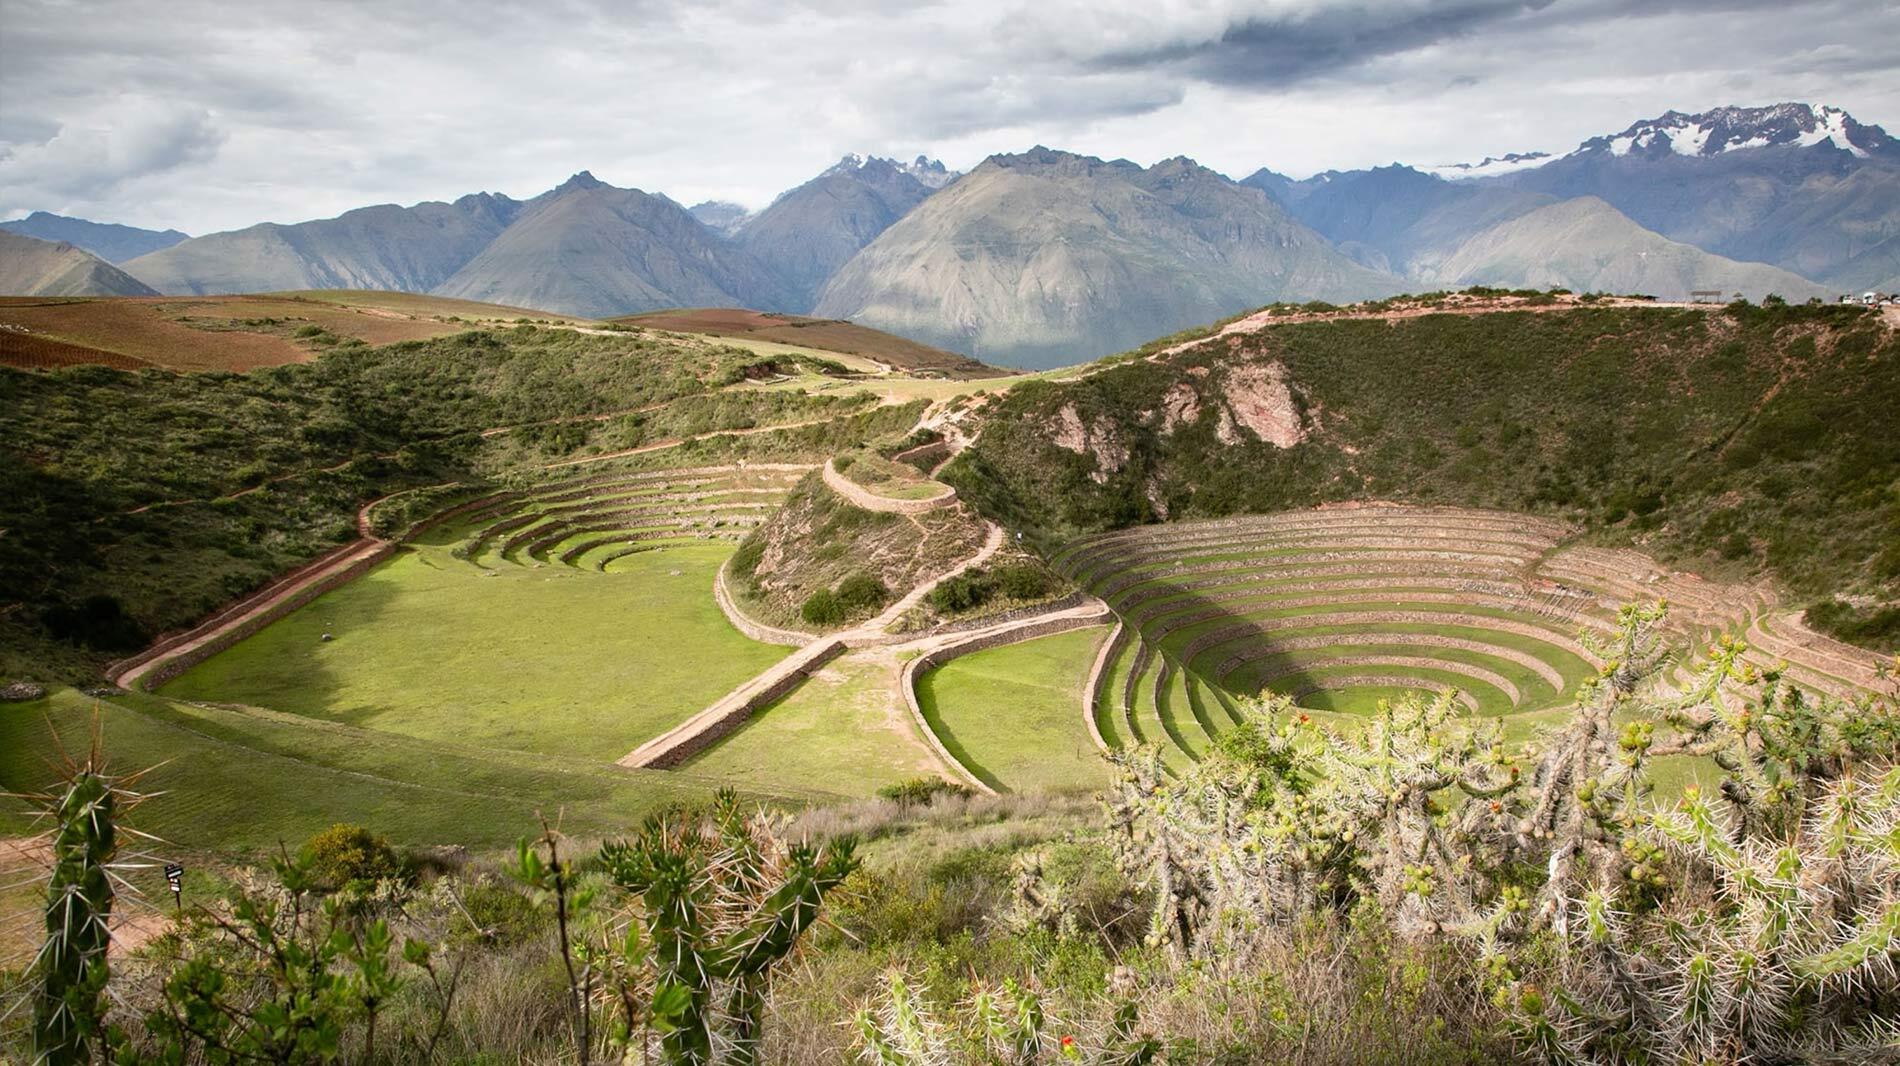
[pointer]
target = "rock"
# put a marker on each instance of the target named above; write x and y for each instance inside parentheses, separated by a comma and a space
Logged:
(22, 692)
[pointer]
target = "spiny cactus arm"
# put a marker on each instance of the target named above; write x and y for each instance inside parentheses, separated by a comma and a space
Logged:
(1693, 826)
(785, 914)
(734, 824)
(1875, 944)
(898, 1031)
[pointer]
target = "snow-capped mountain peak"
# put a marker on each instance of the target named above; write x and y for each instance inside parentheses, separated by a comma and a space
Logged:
(1730, 129)
(927, 171)
(1491, 166)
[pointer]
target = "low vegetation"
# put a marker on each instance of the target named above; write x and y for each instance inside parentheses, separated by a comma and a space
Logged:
(144, 500)
(821, 561)
(1745, 439)
(1552, 905)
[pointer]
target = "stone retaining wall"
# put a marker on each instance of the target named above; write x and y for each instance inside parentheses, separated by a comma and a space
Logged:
(758, 631)
(1098, 680)
(480, 503)
(717, 728)
(178, 664)
(933, 450)
(860, 496)
(994, 638)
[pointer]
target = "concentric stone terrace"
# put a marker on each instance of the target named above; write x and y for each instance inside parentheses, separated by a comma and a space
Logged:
(1340, 607)
(589, 522)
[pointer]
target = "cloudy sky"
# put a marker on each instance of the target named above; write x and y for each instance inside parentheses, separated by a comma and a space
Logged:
(206, 116)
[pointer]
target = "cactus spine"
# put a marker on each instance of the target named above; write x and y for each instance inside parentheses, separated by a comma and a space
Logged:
(69, 1004)
(723, 900)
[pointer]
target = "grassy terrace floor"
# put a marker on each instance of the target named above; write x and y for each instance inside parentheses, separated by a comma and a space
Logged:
(1013, 715)
(547, 659)
(844, 731)
(240, 779)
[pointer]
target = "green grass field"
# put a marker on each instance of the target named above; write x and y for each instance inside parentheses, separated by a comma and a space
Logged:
(548, 659)
(1013, 715)
(844, 731)
(235, 779)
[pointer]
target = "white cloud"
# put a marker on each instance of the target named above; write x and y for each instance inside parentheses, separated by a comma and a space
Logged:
(203, 115)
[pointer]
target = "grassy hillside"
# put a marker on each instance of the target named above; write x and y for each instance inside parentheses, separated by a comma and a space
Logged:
(824, 334)
(228, 332)
(139, 501)
(1729, 441)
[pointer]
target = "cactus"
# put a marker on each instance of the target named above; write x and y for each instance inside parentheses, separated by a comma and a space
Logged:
(69, 1002)
(1790, 956)
(1291, 817)
(1757, 920)
(1004, 1025)
(723, 900)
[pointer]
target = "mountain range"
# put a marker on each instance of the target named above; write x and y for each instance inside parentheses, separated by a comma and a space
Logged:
(1045, 257)
(33, 267)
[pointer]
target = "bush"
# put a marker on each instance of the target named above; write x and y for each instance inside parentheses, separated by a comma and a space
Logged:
(976, 587)
(97, 622)
(965, 592)
(821, 608)
(921, 791)
(1022, 581)
(861, 593)
(1872, 627)
(346, 853)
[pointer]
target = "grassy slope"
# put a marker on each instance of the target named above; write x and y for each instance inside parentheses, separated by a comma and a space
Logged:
(245, 332)
(236, 780)
(844, 731)
(1013, 715)
(133, 486)
(552, 660)
(824, 334)
(1718, 441)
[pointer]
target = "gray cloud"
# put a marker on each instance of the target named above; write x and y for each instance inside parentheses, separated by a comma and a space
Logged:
(206, 115)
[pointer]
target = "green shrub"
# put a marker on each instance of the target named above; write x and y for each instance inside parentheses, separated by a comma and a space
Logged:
(861, 593)
(821, 608)
(1875, 627)
(921, 791)
(346, 853)
(965, 592)
(1023, 581)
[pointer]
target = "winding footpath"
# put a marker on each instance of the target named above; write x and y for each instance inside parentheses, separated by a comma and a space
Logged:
(698, 732)
(871, 501)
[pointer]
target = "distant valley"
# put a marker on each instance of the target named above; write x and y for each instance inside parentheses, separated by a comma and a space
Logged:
(1047, 258)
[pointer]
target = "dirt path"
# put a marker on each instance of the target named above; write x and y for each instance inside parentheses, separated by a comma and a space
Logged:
(725, 714)
(871, 501)
(25, 863)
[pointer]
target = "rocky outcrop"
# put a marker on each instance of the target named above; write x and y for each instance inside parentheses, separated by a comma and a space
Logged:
(1099, 440)
(1262, 402)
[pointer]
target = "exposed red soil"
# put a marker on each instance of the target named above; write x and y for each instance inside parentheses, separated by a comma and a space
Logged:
(826, 334)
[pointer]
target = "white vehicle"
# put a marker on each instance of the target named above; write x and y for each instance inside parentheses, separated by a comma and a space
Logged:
(1871, 299)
